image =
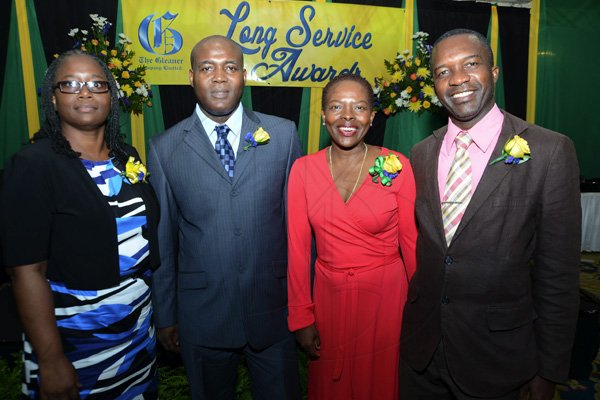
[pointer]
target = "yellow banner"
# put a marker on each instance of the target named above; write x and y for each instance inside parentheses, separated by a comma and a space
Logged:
(285, 43)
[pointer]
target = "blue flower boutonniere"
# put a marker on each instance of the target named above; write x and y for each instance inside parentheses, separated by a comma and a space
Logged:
(135, 171)
(515, 151)
(386, 168)
(260, 136)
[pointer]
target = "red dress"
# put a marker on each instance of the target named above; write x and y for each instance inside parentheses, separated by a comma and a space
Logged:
(360, 279)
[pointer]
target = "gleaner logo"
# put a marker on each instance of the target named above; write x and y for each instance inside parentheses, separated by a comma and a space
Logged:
(157, 39)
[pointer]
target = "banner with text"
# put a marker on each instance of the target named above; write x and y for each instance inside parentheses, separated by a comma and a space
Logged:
(285, 43)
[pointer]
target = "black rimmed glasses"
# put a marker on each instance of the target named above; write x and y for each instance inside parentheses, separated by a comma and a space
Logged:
(74, 87)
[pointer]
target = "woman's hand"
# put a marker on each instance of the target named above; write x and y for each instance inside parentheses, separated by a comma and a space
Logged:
(309, 341)
(58, 379)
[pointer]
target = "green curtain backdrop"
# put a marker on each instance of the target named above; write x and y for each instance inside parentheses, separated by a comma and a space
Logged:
(567, 89)
(405, 129)
(15, 129)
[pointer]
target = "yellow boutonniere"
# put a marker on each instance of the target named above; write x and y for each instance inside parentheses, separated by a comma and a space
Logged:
(135, 171)
(260, 136)
(515, 151)
(386, 168)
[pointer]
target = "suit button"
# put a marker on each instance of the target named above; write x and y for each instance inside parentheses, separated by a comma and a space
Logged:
(234, 193)
(448, 260)
(445, 300)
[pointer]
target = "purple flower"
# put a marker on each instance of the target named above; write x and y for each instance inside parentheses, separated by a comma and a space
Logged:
(106, 28)
(150, 93)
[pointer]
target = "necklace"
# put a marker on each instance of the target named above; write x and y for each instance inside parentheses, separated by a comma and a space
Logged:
(362, 164)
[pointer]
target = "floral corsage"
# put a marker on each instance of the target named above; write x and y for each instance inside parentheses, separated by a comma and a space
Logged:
(260, 136)
(386, 168)
(516, 151)
(135, 171)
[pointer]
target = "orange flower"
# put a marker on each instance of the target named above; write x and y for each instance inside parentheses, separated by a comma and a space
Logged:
(413, 99)
(125, 74)
(413, 76)
(95, 42)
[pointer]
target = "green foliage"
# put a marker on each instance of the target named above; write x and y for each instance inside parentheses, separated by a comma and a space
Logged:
(10, 378)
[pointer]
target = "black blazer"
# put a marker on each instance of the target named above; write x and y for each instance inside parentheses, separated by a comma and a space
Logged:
(51, 210)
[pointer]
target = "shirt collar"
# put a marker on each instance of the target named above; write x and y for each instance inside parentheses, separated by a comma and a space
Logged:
(234, 122)
(483, 132)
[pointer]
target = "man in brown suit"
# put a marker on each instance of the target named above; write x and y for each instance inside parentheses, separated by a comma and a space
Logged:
(491, 310)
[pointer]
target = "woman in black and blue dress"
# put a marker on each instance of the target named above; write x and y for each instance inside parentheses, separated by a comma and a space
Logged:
(78, 225)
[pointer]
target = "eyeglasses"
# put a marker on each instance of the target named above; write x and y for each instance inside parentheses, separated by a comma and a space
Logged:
(74, 87)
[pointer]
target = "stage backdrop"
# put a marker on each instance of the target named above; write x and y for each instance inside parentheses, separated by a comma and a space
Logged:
(285, 43)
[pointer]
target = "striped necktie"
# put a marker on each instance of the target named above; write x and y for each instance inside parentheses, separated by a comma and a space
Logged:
(457, 192)
(224, 149)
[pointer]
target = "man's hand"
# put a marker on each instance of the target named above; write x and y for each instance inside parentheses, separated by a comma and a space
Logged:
(309, 341)
(169, 338)
(537, 389)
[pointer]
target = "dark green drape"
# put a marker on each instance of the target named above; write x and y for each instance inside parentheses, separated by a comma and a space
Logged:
(567, 89)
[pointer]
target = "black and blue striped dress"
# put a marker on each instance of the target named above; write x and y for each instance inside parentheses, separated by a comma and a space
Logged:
(108, 334)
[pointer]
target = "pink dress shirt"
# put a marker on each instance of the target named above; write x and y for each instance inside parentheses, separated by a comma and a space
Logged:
(485, 135)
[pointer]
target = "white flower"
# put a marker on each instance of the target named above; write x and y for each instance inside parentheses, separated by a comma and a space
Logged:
(121, 94)
(406, 52)
(398, 102)
(404, 94)
(73, 31)
(84, 31)
(376, 90)
(122, 35)
(118, 86)
(93, 16)
(436, 101)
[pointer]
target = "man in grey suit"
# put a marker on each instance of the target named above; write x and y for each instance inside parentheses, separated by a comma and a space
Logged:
(491, 309)
(220, 291)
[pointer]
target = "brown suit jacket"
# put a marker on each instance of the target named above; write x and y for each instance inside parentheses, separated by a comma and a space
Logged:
(503, 319)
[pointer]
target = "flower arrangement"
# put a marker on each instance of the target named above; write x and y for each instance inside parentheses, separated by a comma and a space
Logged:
(260, 136)
(135, 171)
(411, 84)
(386, 168)
(515, 151)
(134, 92)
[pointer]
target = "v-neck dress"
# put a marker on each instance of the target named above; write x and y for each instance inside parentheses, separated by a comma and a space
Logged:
(108, 335)
(356, 294)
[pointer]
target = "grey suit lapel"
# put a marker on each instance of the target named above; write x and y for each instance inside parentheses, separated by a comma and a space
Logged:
(492, 174)
(196, 138)
(244, 157)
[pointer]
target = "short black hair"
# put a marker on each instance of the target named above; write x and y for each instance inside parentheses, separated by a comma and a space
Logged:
(463, 31)
(348, 77)
(51, 124)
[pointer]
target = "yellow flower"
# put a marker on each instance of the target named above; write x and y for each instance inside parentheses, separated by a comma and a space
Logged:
(149, 104)
(55, 55)
(95, 42)
(423, 72)
(409, 89)
(116, 62)
(126, 63)
(103, 52)
(428, 91)
(398, 76)
(426, 104)
(127, 90)
(417, 61)
(392, 95)
(260, 136)
(414, 107)
(135, 171)
(137, 84)
(396, 67)
(125, 74)
(517, 147)
(113, 53)
(106, 43)
(392, 164)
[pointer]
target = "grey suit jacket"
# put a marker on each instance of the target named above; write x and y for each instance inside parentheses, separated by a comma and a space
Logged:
(223, 246)
(502, 320)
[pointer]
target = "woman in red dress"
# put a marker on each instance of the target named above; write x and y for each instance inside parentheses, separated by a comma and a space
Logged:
(358, 202)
